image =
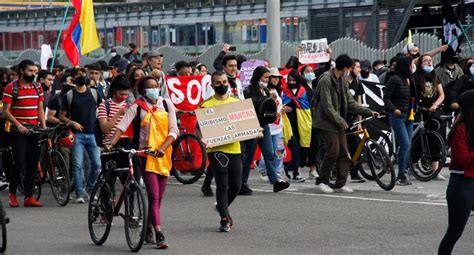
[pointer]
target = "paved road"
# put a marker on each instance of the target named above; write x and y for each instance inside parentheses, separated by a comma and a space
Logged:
(407, 220)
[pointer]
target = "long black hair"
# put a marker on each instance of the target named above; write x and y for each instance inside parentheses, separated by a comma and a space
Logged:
(467, 118)
(256, 76)
(299, 80)
(403, 66)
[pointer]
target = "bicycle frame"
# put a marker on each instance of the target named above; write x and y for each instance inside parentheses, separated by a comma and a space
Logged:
(361, 145)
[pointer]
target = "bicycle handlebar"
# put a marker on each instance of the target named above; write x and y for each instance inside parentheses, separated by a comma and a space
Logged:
(129, 151)
(355, 124)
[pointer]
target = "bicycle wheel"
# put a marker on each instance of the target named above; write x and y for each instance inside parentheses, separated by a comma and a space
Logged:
(189, 158)
(135, 218)
(427, 155)
(364, 167)
(59, 178)
(3, 232)
(383, 139)
(100, 212)
(380, 165)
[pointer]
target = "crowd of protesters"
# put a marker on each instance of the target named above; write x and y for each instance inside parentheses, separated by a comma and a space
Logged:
(101, 102)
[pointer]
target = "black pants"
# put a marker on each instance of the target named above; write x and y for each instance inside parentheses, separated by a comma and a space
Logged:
(210, 175)
(227, 169)
(460, 197)
(352, 144)
(336, 155)
(26, 153)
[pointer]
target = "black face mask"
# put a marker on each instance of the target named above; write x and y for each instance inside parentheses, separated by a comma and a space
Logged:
(44, 87)
(28, 78)
(292, 85)
(417, 55)
(221, 90)
(364, 74)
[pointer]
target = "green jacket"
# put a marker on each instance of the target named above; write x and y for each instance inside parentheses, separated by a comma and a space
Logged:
(328, 98)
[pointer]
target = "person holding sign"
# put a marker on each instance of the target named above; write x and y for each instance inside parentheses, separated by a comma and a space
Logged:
(154, 119)
(225, 161)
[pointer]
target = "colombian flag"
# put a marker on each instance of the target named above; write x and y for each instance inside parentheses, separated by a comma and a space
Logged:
(81, 37)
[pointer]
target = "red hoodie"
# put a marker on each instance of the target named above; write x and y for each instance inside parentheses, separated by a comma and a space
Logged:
(462, 155)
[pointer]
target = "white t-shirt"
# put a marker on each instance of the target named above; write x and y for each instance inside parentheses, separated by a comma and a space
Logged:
(277, 126)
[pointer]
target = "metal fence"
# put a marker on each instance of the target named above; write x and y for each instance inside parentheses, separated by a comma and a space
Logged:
(350, 46)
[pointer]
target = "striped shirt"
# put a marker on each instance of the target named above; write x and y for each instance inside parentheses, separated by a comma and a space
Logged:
(114, 108)
(25, 109)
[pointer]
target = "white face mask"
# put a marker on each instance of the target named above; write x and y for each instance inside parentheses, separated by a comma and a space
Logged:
(471, 70)
(413, 69)
(105, 75)
(113, 54)
(263, 84)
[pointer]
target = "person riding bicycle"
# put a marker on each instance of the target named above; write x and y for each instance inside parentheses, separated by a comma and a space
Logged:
(430, 95)
(23, 109)
(156, 118)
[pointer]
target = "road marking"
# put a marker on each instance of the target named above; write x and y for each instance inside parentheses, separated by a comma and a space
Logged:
(355, 198)
(339, 196)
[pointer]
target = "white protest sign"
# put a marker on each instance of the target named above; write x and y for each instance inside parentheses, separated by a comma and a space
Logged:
(314, 51)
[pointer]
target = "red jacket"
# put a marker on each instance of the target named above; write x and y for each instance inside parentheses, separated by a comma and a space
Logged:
(462, 155)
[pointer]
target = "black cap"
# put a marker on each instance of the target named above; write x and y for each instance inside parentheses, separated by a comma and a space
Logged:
(365, 64)
(379, 62)
(132, 45)
(466, 100)
(56, 63)
(121, 65)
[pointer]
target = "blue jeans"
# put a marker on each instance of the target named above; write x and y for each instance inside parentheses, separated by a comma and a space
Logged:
(403, 130)
(279, 148)
(87, 142)
(266, 146)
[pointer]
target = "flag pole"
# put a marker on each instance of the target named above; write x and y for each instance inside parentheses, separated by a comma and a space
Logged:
(59, 34)
(463, 33)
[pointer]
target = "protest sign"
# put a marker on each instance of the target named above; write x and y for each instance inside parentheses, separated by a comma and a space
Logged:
(228, 123)
(246, 71)
(187, 92)
(314, 51)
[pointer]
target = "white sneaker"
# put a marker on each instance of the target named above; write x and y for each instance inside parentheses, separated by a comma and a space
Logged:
(263, 176)
(344, 189)
(323, 188)
(439, 177)
(313, 175)
(79, 200)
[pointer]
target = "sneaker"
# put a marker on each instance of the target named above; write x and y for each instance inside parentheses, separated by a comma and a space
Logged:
(323, 188)
(3, 185)
(79, 200)
(403, 181)
(31, 202)
(86, 196)
(439, 177)
(280, 185)
(149, 237)
(313, 175)
(207, 191)
(344, 189)
(12, 201)
(225, 225)
(357, 179)
(263, 176)
(161, 241)
(298, 178)
(245, 190)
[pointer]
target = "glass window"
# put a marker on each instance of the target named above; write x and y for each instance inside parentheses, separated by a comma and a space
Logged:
(145, 38)
(154, 37)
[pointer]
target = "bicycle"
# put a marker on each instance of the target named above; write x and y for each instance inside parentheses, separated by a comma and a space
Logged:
(425, 162)
(4, 220)
(103, 206)
(53, 167)
(369, 153)
(187, 168)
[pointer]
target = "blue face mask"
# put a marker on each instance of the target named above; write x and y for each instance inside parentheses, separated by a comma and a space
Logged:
(310, 77)
(428, 69)
(471, 70)
(152, 94)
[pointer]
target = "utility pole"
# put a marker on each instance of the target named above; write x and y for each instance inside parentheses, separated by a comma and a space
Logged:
(273, 52)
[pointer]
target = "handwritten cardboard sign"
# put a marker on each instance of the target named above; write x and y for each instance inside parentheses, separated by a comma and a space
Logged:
(246, 71)
(228, 123)
(314, 51)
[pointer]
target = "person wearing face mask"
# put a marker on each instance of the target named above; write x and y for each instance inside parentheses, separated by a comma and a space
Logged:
(307, 72)
(366, 72)
(230, 67)
(79, 113)
(258, 91)
(450, 70)
(228, 175)
(333, 104)
(296, 105)
(154, 122)
(430, 95)
(465, 83)
(399, 95)
(115, 57)
(23, 109)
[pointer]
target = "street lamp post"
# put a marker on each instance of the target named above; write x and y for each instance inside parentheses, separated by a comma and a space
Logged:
(273, 52)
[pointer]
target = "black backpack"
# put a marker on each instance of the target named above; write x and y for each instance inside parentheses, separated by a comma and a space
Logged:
(16, 87)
